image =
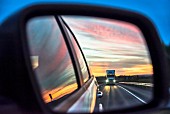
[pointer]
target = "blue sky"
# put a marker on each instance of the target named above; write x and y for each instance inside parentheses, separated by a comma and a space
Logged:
(157, 11)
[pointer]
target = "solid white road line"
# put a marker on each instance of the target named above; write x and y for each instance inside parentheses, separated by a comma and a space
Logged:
(100, 107)
(133, 94)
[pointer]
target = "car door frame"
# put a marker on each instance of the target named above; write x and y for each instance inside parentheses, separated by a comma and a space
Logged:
(83, 86)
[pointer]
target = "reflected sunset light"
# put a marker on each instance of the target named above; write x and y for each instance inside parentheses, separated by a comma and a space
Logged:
(111, 44)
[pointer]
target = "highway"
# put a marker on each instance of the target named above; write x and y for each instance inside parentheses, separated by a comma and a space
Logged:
(122, 96)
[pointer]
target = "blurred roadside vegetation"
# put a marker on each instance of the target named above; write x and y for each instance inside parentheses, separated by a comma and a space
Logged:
(124, 78)
(140, 79)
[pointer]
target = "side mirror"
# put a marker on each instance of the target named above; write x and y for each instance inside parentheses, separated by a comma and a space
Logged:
(40, 74)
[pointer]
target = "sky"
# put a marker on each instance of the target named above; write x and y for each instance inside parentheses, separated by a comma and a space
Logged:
(111, 44)
(160, 18)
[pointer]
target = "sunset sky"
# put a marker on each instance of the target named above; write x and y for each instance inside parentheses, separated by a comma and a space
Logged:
(111, 44)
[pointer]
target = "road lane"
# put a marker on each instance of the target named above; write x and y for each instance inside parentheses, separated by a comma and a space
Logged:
(133, 95)
(122, 96)
(143, 92)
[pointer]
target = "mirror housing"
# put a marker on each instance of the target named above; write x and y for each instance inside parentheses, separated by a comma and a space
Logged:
(14, 37)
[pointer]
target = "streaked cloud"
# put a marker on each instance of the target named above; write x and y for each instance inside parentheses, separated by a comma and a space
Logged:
(111, 44)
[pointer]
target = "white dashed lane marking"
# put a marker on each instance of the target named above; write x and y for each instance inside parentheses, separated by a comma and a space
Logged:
(100, 107)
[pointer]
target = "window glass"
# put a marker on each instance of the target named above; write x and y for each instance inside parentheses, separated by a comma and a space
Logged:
(50, 59)
(80, 58)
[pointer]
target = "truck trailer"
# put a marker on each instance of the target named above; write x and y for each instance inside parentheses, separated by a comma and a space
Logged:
(110, 77)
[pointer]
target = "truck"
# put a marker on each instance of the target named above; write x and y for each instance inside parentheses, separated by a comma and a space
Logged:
(110, 77)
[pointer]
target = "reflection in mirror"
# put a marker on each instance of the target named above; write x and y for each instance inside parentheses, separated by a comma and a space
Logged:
(119, 58)
(116, 53)
(50, 60)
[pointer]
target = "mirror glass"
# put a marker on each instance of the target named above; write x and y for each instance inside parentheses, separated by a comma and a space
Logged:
(50, 60)
(116, 54)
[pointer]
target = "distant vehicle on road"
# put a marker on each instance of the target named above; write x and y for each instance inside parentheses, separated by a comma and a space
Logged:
(110, 77)
(99, 94)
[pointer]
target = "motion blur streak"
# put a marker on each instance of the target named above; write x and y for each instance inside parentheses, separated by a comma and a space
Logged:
(111, 44)
(55, 72)
(58, 92)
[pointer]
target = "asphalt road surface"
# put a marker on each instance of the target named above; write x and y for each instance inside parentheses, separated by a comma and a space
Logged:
(122, 96)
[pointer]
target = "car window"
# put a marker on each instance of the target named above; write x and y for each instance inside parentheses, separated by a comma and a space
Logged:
(50, 59)
(82, 63)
